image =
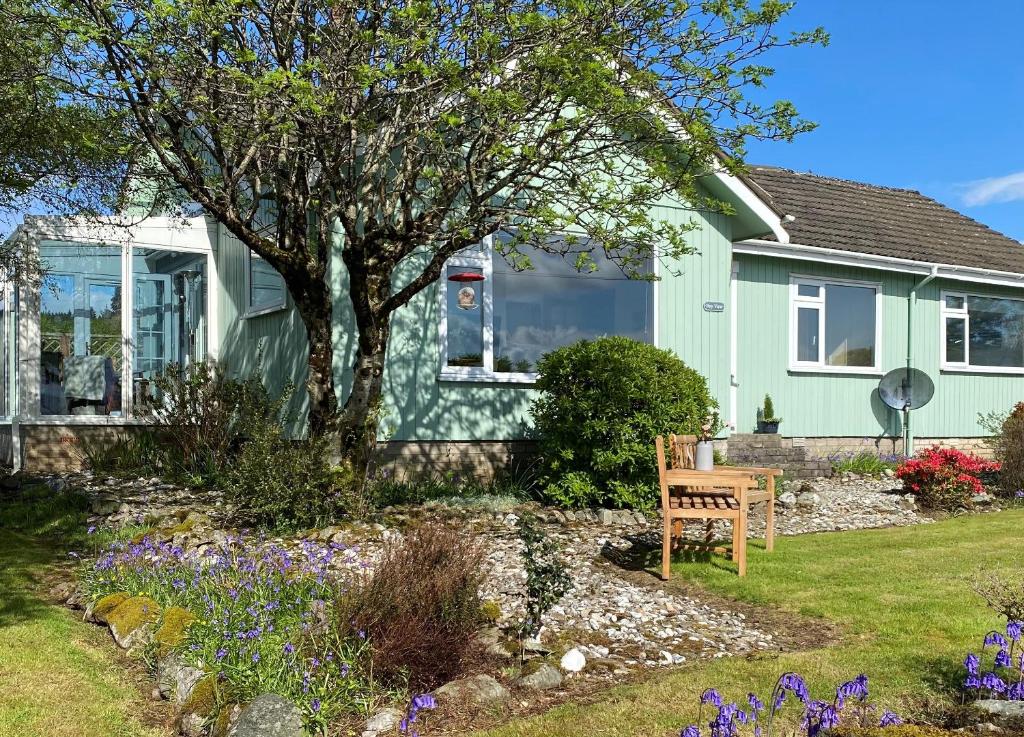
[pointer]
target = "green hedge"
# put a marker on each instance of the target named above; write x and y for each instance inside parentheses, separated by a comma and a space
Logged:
(600, 406)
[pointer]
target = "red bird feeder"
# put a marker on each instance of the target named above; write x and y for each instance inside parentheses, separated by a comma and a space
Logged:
(466, 276)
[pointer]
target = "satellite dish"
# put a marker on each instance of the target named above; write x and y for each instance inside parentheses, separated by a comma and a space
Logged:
(905, 389)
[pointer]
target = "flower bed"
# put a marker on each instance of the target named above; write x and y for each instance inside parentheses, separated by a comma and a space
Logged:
(261, 618)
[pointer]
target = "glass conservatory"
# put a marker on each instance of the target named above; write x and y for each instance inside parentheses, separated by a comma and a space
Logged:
(109, 315)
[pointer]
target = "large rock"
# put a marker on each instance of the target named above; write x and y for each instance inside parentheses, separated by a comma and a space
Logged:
(383, 721)
(809, 500)
(541, 677)
(787, 499)
(175, 678)
(1002, 709)
(268, 715)
(131, 621)
(481, 689)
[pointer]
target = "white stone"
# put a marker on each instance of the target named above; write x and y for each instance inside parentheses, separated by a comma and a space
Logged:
(573, 661)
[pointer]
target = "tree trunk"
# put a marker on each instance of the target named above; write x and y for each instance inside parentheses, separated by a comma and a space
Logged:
(313, 302)
(360, 417)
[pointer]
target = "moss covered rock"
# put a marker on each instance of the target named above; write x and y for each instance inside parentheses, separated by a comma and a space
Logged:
(206, 697)
(173, 630)
(132, 620)
(102, 608)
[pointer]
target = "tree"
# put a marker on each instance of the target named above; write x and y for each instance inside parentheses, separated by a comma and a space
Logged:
(59, 152)
(404, 131)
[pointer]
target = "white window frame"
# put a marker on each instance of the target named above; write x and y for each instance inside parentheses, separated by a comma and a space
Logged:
(483, 260)
(250, 310)
(796, 301)
(962, 314)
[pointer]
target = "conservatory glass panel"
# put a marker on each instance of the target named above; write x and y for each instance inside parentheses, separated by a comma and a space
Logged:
(80, 342)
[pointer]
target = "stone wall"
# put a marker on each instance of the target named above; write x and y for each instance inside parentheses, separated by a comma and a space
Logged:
(478, 459)
(891, 446)
(56, 448)
(775, 451)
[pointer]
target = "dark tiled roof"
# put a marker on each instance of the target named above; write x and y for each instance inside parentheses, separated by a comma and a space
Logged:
(864, 218)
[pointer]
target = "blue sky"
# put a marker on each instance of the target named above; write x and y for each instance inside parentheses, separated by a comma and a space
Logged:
(927, 95)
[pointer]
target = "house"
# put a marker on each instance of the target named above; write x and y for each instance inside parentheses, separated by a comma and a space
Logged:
(809, 289)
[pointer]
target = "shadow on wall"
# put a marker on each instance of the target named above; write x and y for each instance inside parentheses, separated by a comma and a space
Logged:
(889, 420)
(276, 345)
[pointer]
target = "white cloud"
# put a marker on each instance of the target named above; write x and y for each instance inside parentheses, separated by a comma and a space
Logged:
(1009, 188)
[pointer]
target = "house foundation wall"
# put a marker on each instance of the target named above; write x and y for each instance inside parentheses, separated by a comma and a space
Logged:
(64, 448)
(482, 460)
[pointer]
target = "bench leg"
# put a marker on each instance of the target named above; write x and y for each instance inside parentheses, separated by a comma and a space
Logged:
(736, 540)
(741, 549)
(769, 517)
(666, 548)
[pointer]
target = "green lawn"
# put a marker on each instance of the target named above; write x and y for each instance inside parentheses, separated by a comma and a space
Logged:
(901, 597)
(59, 677)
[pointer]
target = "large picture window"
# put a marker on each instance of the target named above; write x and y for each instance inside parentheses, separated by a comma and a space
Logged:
(985, 333)
(834, 325)
(497, 322)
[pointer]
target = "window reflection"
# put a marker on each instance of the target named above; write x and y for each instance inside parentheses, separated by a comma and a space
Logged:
(80, 341)
(996, 332)
(169, 323)
(465, 316)
(849, 325)
(554, 305)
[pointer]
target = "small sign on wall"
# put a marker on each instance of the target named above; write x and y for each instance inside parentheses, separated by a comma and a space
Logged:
(714, 306)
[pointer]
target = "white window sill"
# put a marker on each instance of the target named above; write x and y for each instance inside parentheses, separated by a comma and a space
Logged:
(261, 311)
(79, 420)
(1005, 370)
(482, 377)
(852, 371)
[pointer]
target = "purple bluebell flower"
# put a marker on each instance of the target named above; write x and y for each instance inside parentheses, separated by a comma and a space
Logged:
(91, 530)
(755, 703)
(711, 696)
(971, 663)
(889, 719)
(994, 638)
(1013, 629)
(690, 731)
(1003, 658)
(288, 648)
(993, 683)
(221, 654)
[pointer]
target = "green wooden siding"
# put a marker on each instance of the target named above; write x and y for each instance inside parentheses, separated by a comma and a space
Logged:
(836, 405)
(419, 406)
(275, 341)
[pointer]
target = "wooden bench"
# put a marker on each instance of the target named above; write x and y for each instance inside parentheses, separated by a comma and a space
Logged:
(724, 493)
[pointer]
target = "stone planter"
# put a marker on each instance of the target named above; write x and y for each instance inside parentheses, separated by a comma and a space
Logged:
(705, 459)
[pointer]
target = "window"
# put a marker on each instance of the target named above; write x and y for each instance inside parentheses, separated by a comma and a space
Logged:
(986, 333)
(497, 322)
(834, 325)
(111, 319)
(265, 290)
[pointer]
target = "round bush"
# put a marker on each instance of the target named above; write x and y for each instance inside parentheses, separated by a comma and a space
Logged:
(601, 403)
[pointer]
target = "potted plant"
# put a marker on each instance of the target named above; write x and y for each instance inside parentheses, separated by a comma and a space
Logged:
(767, 422)
(705, 457)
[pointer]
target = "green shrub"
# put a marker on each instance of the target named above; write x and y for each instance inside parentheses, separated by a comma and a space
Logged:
(1010, 452)
(601, 404)
(283, 483)
(865, 463)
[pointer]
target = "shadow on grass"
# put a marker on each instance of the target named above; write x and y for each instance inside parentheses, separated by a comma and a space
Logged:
(37, 524)
(24, 565)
